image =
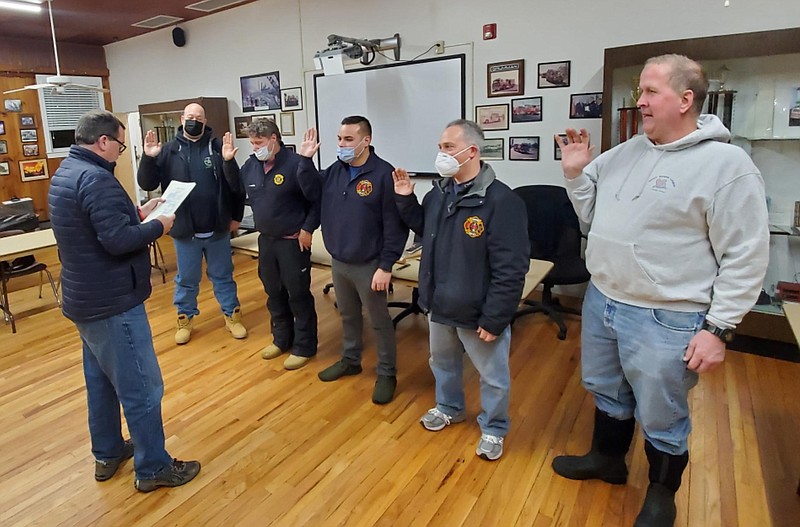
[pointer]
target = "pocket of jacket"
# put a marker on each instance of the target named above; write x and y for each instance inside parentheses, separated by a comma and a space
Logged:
(614, 264)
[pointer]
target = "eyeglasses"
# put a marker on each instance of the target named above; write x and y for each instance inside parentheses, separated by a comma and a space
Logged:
(122, 146)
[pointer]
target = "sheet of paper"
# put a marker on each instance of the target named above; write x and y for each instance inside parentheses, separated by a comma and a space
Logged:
(177, 191)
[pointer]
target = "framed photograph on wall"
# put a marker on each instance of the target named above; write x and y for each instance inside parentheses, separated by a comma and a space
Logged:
(27, 120)
(2, 128)
(523, 148)
(291, 99)
(492, 116)
(3, 147)
(292, 148)
(493, 149)
(527, 110)
(33, 169)
(586, 105)
(287, 123)
(553, 74)
(562, 140)
(5, 168)
(30, 150)
(261, 92)
(29, 136)
(504, 79)
(267, 116)
(12, 105)
(240, 125)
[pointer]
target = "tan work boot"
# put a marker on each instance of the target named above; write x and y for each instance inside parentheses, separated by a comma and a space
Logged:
(295, 362)
(271, 351)
(184, 332)
(234, 324)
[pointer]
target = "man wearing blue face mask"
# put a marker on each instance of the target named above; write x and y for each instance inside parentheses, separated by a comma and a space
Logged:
(204, 222)
(474, 260)
(364, 234)
(284, 192)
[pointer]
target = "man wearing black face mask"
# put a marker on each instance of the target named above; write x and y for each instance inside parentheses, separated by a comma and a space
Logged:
(203, 223)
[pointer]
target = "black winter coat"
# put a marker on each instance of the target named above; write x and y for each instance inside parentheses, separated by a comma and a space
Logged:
(102, 245)
(475, 252)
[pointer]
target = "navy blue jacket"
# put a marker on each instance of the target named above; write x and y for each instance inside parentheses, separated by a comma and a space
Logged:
(475, 252)
(171, 163)
(284, 200)
(102, 245)
(360, 221)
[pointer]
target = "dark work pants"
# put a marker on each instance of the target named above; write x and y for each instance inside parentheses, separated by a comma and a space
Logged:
(285, 272)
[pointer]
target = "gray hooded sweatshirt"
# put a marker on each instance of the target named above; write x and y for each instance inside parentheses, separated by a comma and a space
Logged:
(679, 226)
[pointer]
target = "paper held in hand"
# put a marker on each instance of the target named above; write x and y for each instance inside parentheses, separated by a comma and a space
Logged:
(176, 192)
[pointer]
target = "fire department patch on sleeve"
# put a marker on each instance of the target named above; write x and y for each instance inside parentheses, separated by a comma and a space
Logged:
(364, 188)
(473, 226)
(278, 179)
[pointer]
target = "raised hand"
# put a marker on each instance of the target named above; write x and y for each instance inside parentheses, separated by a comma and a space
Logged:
(576, 153)
(402, 183)
(310, 145)
(228, 150)
(151, 145)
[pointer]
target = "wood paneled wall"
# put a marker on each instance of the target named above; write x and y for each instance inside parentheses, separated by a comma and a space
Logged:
(20, 60)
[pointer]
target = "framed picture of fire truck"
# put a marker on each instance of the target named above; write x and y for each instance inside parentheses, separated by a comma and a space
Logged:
(505, 79)
(492, 116)
(523, 148)
(553, 74)
(527, 110)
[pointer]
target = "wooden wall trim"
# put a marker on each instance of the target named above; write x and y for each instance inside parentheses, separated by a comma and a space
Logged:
(21, 55)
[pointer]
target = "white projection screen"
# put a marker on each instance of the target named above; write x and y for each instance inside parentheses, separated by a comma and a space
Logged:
(407, 104)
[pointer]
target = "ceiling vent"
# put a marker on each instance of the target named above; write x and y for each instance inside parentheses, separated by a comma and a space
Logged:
(157, 22)
(209, 6)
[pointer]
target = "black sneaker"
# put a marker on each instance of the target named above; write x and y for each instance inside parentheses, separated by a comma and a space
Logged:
(104, 470)
(384, 389)
(175, 474)
(338, 369)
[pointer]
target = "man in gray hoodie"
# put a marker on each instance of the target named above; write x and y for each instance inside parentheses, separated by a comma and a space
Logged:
(677, 249)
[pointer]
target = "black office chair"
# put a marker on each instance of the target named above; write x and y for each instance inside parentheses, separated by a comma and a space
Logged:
(22, 266)
(555, 235)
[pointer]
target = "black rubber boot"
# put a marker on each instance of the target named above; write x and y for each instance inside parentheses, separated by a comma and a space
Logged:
(606, 459)
(665, 480)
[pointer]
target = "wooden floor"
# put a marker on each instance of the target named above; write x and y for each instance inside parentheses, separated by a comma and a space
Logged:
(283, 448)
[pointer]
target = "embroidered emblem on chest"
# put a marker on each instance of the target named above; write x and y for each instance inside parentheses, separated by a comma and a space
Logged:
(364, 188)
(278, 179)
(661, 183)
(473, 226)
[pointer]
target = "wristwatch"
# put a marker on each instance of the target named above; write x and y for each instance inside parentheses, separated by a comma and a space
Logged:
(725, 335)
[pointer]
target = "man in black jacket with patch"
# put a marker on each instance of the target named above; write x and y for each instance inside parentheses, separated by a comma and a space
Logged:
(365, 236)
(284, 192)
(204, 222)
(474, 259)
(105, 278)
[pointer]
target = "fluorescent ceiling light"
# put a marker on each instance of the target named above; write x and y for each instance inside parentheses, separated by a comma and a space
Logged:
(27, 7)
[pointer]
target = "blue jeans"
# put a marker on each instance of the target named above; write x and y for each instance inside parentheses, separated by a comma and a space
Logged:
(448, 345)
(219, 268)
(120, 366)
(632, 361)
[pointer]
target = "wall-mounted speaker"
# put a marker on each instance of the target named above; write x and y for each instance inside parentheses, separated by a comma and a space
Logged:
(179, 37)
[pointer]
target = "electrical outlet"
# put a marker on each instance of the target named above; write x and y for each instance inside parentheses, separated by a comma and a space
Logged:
(439, 46)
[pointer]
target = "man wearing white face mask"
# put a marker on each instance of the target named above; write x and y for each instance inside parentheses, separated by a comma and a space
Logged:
(474, 260)
(284, 192)
(365, 236)
(204, 222)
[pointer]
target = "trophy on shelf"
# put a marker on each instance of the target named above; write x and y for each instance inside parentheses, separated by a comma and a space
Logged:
(629, 115)
(720, 100)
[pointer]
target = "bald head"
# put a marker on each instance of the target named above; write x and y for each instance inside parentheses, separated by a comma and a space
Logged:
(194, 111)
(193, 121)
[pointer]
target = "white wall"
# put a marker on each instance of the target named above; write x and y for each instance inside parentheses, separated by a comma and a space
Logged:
(283, 35)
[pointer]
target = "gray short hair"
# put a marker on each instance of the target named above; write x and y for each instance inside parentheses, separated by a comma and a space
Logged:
(685, 74)
(95, 124)
(471, 131)
(263, 127)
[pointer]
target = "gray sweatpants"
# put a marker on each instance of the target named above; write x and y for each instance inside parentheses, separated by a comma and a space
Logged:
(352, 284)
